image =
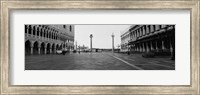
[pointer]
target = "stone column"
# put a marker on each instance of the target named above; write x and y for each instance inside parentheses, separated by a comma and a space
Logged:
(156, 45)
(144, 31)
(47, 34)
(38, 50)
(43, 32)
(141, 31)
(31, 50)
(151, 42)
(31, 47)
(163, 44)
(152, 28)
(143, 47)
(147, 29)
(147, 46)
(45, 49)
(137, 33)
(134, 35)
(55, 48)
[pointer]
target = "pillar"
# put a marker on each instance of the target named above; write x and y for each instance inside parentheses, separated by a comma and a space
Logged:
(48, 34)
(147, 29)
(45, 49)
(43, 32)
(143, 47)
(151, 42)
(144, 31)
(147, 46)
(156, 45)
(55, 48)
(38, 50)
(31, 47)
(163, 45)
(152, 28)
(31, 50)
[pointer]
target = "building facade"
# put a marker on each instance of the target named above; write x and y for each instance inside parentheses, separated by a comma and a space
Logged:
(125, 38)
(46, 39)
(152, 38)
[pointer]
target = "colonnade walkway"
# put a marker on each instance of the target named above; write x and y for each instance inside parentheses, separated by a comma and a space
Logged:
(97, 61)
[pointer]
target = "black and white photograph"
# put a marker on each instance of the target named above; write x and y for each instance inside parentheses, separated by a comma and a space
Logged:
(99, 46)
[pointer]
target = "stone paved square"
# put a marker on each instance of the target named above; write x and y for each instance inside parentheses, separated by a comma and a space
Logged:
(97, 61)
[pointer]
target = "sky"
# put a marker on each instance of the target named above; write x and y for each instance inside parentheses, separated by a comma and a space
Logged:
(101, 35)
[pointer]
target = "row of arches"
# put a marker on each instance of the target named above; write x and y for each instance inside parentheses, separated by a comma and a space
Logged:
(152, 45)
(35, 47)
(160, 44)
(44, 31)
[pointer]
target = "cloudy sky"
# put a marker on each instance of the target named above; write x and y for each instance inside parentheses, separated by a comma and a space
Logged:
(101, 35)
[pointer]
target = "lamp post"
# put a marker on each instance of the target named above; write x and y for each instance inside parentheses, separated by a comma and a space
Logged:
(112, 42)
(91, 36)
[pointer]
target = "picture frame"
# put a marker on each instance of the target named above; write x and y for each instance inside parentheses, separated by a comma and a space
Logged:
(7, 6)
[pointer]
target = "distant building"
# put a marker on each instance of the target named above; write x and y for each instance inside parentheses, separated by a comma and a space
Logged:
(82, 48)
(125, 37)
(150, 38)
(46, 39)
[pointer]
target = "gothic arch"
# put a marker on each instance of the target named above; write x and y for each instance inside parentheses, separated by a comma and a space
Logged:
(27, 47)
(42, 48)
(48, 48)
(35, 47)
